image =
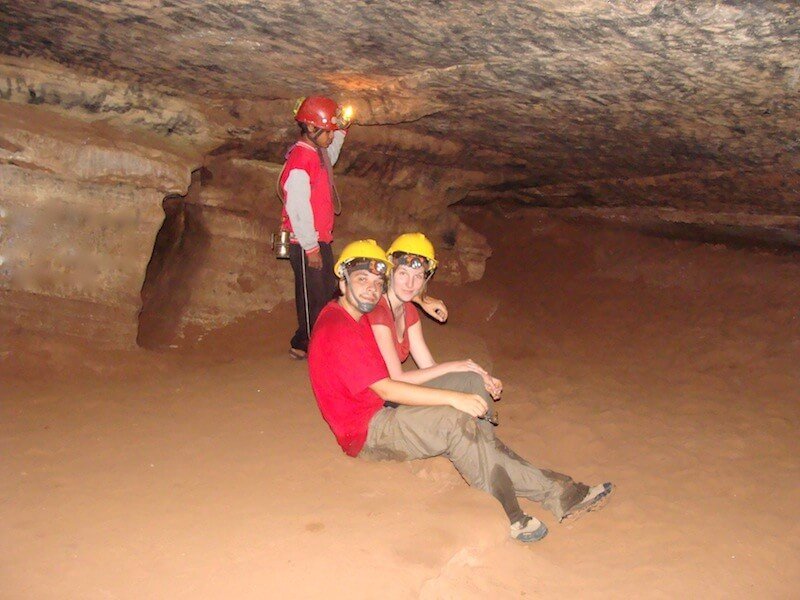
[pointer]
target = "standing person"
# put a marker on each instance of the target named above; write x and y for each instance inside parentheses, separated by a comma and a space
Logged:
(309, 195)
(351, 384)
(310, 201)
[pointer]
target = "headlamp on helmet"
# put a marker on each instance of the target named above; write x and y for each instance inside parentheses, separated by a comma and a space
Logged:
(404, 259)
(362, 254)
(375, 267)
(343, 117)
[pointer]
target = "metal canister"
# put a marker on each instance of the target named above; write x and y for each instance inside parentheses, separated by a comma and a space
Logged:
(280, 244)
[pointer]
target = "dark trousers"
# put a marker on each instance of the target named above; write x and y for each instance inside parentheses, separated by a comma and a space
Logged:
(313, 288)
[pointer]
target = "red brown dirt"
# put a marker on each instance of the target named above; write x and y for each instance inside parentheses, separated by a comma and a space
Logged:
(668, 367)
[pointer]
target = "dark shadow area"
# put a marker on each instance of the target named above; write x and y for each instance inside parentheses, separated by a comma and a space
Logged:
(179, 252)
(774, 239)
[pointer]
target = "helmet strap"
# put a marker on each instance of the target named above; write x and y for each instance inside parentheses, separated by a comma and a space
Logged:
(315, 136)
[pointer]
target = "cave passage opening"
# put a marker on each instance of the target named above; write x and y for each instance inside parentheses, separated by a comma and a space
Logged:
(179, 252)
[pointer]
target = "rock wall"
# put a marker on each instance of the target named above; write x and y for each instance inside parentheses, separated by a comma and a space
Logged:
(241, 210)
(672, 110)
(128, 213)
(80, 206)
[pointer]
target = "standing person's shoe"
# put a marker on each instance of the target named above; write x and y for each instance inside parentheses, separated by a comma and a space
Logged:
(529, 529)
(297, 354)
(595, 499)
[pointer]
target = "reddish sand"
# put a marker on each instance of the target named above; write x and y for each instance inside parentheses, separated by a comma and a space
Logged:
(668, 367)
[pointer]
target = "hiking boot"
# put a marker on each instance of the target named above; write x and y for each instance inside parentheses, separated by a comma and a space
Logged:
(595, 499)
(529, 529)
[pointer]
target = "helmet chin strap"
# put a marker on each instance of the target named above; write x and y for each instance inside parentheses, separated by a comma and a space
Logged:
(315, 136)
(363, 307)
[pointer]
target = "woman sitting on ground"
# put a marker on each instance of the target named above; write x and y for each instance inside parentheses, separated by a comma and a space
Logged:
(396, 325)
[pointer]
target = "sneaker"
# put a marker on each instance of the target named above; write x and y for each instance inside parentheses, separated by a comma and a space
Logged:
(595, 499)
(297, 354)
(529, 529)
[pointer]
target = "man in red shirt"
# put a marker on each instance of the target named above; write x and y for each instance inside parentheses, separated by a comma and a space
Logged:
(351, 385)
(306, 184)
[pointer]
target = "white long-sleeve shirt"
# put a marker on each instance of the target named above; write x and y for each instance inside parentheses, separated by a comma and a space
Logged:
(297, 188)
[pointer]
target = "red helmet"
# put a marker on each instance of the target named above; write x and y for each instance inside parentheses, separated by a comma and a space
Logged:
(318, 111)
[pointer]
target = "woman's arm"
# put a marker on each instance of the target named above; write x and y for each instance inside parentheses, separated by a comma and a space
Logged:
(428, 367)
(419, 348)
(383, 337)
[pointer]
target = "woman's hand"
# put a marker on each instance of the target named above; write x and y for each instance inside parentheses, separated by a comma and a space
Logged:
(458, 366)
(493, 385)
(433, 307)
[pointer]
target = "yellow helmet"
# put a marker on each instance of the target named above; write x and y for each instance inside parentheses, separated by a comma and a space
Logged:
(367, 250)
(414, 243)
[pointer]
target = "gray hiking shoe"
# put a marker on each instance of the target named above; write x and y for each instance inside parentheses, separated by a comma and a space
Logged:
(595, 499)
(529, 529)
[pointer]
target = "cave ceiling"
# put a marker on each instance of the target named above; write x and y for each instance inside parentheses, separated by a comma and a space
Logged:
(552, 92)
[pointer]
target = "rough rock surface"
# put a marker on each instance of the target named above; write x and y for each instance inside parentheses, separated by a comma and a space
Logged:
(576, 90)
(106, 108)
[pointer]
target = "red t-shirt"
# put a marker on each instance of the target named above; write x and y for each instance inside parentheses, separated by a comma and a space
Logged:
(304, 157)
(343, 361)
(382, 315)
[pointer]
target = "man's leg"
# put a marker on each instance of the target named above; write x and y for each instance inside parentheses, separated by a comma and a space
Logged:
(297, 259)
(313, 288)
(321, 284)
(330, 283)
(557, 492)
(414, 432)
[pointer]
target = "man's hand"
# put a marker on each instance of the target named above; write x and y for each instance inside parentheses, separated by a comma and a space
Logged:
(434, 307)
(472, 404)
(314, 260)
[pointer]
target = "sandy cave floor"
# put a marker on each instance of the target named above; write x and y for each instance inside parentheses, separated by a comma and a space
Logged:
(669, 367)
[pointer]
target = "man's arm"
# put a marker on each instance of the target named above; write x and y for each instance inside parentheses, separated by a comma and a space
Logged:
(433, 306)
(298, 207)
(336, 146)
(418, 395)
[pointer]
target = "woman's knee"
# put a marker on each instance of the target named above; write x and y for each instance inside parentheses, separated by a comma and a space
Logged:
(474, 384)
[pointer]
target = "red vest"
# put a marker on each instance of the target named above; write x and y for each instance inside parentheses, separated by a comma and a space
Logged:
(305, 157)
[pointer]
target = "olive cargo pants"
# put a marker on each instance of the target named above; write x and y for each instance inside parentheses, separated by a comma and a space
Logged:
(413, 432)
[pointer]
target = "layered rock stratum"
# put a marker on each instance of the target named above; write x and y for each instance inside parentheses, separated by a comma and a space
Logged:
(133, 126)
